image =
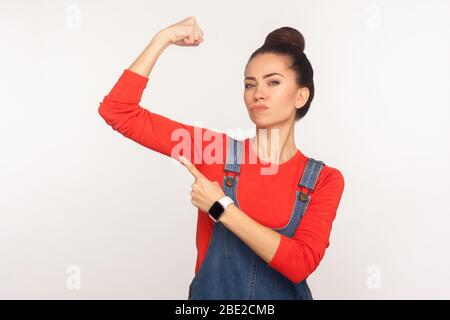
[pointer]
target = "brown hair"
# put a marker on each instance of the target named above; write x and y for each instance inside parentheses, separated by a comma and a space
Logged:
(290, 42)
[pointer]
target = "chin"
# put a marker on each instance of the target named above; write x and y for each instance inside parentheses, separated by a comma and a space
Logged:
(263, 123)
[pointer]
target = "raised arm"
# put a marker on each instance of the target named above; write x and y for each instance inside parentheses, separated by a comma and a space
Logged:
(121, 110)
(183, 33)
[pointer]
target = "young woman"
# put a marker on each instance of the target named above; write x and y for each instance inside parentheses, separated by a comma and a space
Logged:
(264, 228)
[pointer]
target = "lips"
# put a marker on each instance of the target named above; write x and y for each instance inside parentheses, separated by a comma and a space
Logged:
(260, 107)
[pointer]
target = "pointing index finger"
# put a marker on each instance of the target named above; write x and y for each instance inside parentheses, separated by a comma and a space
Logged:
(192, 169)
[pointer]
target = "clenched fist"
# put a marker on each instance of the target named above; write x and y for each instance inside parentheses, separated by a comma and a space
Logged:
(184, 33)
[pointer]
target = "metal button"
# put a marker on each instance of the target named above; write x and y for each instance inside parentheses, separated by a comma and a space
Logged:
(230, 181)
(303, 196)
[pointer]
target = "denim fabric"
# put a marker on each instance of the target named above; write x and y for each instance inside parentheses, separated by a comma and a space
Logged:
(230, 269)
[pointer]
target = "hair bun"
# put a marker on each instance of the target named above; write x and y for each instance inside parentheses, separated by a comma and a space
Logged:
(286, 36)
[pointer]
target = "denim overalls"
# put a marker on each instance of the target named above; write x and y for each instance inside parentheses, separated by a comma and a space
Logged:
(230, 269)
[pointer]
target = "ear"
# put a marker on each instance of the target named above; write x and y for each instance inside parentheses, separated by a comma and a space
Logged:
(302, 97)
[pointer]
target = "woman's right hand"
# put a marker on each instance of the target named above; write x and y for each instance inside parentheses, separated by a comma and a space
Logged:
(184, 33)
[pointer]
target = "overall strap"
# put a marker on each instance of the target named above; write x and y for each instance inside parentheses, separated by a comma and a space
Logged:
(309, 177)
(234, 159)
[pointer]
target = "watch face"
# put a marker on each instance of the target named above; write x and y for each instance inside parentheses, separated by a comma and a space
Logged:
(216, 210)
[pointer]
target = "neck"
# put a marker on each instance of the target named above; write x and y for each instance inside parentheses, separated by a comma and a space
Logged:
(275, 144)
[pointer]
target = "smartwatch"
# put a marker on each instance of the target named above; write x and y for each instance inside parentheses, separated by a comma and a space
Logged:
(218, 207)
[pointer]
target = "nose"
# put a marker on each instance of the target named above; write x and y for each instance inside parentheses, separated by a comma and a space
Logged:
(259, 93)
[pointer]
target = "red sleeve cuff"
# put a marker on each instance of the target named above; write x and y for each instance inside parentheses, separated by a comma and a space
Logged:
(129, 88)
(134, 78)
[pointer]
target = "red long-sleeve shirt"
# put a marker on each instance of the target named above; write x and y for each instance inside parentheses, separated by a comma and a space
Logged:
(268, 199)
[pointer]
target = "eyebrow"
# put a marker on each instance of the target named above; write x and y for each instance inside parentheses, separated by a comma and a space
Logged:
(264, 76)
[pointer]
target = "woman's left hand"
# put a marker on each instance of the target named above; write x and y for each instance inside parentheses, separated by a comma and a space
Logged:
(204, 192)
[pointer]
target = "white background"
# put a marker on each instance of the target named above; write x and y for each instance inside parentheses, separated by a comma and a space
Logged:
(76, 193)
